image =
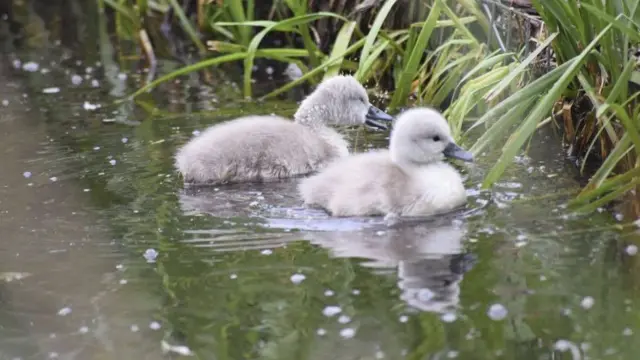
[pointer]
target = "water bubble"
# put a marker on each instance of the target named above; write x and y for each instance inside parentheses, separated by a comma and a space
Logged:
(321, 332)
(83, 330)
(53, 179)
(5, 102)
(134, 328)
(96, 148)
(328, 293)
(31, 66)
(497, 312)
(627, 332)
(51, 90)
(17, 64)
(521, 240)
(178, 349)
(562, 345)
(403, 318)
(89, 106)
(297, 278)
(343, 319)
(587, 302)
(95, 83)
(619, 217)
(347, 333)
(379, 355)
(64, 311)
(123, 281)
(119, 266)
(330, 311)
(425, 295)
(448, 317)
(86, 190)
(124, 140)
(154, 325)
(27, 174)
(112, 162)
(266, 252)
(233, 276)
(76, 79)
(269, 70)
(632, 250)
(196, 132)
(355, 292)
(150, 255)
(452, 354)
(122, 76)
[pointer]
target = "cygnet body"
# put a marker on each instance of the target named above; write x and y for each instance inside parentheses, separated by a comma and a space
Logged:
(265, 148)
(409, 179)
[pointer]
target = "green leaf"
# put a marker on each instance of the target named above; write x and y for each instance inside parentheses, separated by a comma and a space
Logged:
(188, 69)
(255, 42)
(339, 46)
(403, 85)
(528, 126)
(375, 29)
(523, 66)
(186, 25)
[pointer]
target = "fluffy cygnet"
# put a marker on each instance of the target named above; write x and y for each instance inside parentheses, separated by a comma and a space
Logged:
(263, 148)
(409, 179)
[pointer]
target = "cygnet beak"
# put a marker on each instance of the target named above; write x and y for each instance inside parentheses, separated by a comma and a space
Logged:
(456, 152)
(376, 114)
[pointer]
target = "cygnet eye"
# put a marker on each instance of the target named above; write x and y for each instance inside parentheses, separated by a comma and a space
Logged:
(436, 138)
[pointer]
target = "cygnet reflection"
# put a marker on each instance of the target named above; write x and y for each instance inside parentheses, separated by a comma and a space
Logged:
(429, 257)
(240, 200)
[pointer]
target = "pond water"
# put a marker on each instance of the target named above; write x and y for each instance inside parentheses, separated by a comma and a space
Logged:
(106, 256)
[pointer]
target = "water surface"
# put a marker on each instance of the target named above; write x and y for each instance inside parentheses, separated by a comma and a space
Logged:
(106, 255)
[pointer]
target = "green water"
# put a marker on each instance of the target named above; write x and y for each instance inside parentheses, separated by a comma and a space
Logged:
(245, 272)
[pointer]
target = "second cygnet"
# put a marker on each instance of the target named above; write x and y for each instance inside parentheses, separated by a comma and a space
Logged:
(261, 148)
(409, 179)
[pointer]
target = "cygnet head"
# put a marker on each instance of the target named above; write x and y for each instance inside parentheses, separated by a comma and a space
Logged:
(340, 100)
(421, 136)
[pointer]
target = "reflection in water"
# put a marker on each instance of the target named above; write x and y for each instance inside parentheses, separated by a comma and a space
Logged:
(239, 200)
(429, 258)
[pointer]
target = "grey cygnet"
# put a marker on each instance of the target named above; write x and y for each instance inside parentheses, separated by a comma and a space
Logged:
(266, 148)
(409, 179)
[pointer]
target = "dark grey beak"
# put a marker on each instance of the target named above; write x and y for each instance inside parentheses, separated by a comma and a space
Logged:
(456, 152)
(376, 114)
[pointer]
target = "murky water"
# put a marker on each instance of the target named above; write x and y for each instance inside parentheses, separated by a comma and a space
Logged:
(105, 255)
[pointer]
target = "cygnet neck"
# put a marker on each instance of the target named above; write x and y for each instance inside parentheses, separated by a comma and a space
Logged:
(409, 164)
(310, 117)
